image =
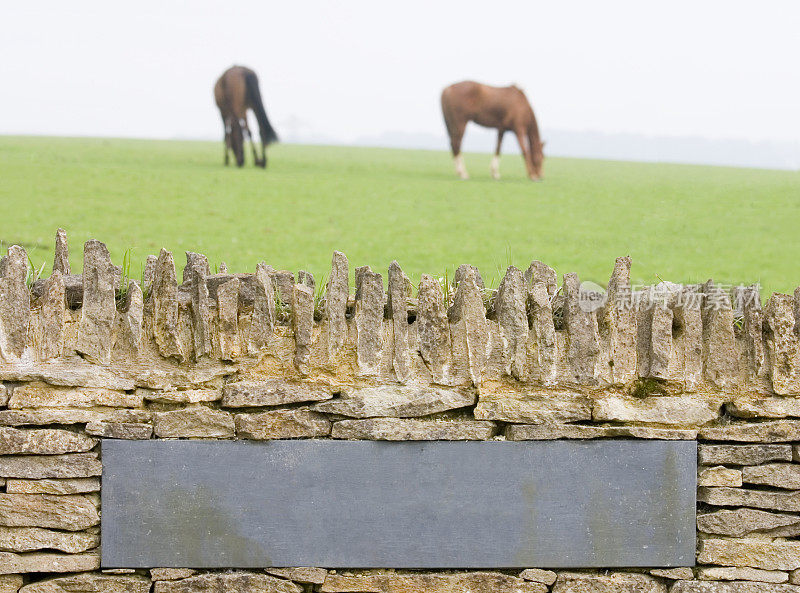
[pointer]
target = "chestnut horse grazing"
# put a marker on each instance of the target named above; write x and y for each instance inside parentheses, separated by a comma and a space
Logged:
(504, 108)
(235, 92)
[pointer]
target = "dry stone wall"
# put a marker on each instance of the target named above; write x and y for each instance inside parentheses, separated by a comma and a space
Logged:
(263, 356)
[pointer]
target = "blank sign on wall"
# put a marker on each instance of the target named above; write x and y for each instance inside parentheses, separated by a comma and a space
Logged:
(347, 504)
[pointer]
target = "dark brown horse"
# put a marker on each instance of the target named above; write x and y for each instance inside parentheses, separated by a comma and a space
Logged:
(237, 91)
(504, 108)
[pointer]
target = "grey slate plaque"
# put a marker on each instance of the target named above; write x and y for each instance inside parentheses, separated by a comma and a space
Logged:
(550, 504)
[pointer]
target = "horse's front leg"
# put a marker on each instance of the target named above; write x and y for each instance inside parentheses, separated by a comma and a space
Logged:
(495, 166)
(526, 153)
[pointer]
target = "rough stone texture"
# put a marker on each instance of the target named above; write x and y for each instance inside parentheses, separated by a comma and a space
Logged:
(164, 298)
(747, 300)
(463, 271)
(719, 476)
(398, 311)
(688, 347)
(434, 331)
(765, 407)
(227, 582)
(775, 431)
(763, 499)
(91, 583)
(282, 424)
(262, 324)
(30, 539)
(469, 330)
(568, 582)
(187, 396)
(472, 582)
(732, 573)
(654, 330)
(543, 333)
(775, 555)
(782, 344)
(300, 574)
(193, 421)
(660, 342)
(52, 486)
(272, 392)
(99, 307)
(336, 297)
(40, 395)
(617, 324)
(51, 318)
(61, 258)
(370, 300)
(780, 475)
(730, 587)
(719, 351)
(533, 407)
(43, 442)
(142, 362)
(10, 583)
(302, 326)
(170, 574)
(673, 574)
(130, 320)
(510, 306)
(283, 280)
(71, 465)
(666, 410)
(537, 575)
(11, 563)
(149, 273)
(15, 303)
(547, 432)
(120, 430)
(195, 261)
(401, 429)
(583, 338)
(71, 513)
(741, 522)
(228, 319)
(540, 273)
(396, 401)
(43, 416)
(742, 454)
(201, 314)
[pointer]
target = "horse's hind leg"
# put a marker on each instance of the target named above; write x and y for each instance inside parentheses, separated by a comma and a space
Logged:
(495, 166)
(456, 130)
(455, 125)
(258, 162)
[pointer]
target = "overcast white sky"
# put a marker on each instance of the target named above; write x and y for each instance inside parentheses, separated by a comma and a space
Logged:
(717, 69)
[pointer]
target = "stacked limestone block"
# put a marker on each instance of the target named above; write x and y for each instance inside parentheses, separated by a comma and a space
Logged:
(258, 356)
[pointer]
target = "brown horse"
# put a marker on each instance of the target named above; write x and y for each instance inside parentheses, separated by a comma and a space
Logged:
(504, 108)
(235, 92)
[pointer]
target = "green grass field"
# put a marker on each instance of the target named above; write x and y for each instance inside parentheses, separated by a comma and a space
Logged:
(678, 222)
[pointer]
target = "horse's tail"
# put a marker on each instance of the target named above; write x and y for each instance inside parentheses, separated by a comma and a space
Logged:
(268, 135)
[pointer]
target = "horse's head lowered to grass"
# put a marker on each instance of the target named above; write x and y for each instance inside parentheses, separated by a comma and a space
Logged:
(537, 159)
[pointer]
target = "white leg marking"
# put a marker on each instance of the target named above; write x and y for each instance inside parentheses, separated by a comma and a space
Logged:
(495, 167)
(460, 168)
